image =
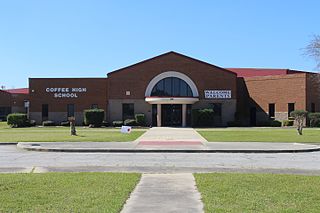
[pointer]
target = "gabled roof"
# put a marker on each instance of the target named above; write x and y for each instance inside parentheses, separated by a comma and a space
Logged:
(18, 91)
(251, 72)
(171, 53)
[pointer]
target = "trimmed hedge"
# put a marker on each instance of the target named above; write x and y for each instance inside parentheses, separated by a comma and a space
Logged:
(48, 123)
(105, 123)
(32, 123)
(287, 123)
(93, 117)
(117, 123)
(314, 119)
(203, 117)
(269, 123)
(233, 124)
(18, 120)
(65, 123)
(275, 123)
(140, 119)
(130, 122)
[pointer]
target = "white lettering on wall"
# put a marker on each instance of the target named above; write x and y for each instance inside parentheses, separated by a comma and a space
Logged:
(59, 92)
(217, 94)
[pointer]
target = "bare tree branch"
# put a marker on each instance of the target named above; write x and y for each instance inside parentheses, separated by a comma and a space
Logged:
(313, 49)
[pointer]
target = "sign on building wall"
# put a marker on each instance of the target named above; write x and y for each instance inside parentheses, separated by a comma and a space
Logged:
(66, 92)
(217, 94)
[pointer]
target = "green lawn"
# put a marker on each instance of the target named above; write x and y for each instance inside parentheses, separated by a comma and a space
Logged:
(260, 135)
(65, 192)
(61, 134)
(259, 192)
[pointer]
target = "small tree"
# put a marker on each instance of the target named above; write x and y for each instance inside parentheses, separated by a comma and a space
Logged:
(299, 117)
(72, 121)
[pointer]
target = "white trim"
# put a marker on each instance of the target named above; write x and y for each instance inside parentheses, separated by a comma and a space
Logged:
(163, 75)
(171, 100)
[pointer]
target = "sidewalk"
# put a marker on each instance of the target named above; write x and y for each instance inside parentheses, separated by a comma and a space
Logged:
(170, 147)
(171, 134)
(175, 140)
(160, 193)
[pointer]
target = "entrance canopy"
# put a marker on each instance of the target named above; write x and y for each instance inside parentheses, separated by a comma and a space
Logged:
(172, 77)
(171, 100)
(171, 88)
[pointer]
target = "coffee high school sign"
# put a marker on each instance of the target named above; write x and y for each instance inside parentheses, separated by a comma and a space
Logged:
(66, 92)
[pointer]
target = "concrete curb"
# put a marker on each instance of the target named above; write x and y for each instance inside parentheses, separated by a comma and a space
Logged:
(135, 150)
(8, 143)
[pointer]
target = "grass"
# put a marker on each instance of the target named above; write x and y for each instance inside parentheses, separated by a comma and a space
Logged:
(65, 192)
(259, 192)
(62, 134)
(260, 135)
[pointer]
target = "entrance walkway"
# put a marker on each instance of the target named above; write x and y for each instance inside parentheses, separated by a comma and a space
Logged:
(165, 193)
(171, 138)
(157, 134)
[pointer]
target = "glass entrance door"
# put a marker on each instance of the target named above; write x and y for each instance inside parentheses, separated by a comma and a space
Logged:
(171, 114)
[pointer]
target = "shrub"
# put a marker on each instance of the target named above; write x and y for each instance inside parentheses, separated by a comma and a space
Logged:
(203, 117)
(117, 123)
(65, 123)
(130, 122)
(140, 119)
(32, 123)
(269, 123)
(93, 117)
(233, 123)
(48, 123)
(266, 123)
(275, 123)
(17, 120)
(287, 123)
(105, 123)
(314, 119)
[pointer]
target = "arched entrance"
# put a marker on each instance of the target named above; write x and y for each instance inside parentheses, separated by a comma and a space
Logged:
(171, 95)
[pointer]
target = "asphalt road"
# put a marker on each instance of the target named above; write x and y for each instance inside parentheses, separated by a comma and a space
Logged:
(16, 160)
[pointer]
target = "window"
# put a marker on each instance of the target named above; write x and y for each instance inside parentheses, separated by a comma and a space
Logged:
(313, 107)
(290, 108)
(4, 111)
(272, 109)
(172, 87)
(45, 111)
(127, 111)
(70, 110)
(94, 106)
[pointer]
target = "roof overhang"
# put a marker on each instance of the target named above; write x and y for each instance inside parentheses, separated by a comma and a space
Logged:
(171, 100)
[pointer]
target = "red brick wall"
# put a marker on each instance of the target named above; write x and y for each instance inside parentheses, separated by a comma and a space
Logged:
(136, 78)
(278, 89)
(5, 99)
(17, 101)
(96, 93)
(313, 91)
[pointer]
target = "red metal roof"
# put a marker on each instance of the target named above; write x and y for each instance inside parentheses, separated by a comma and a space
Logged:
(251, 72)
(18, 91)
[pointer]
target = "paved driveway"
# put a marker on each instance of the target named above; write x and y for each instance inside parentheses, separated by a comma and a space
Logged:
(13, 159)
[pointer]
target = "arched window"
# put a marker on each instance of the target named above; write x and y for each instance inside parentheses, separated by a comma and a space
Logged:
(172, 87)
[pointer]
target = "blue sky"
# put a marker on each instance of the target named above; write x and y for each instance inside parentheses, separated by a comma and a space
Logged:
(90, 38)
